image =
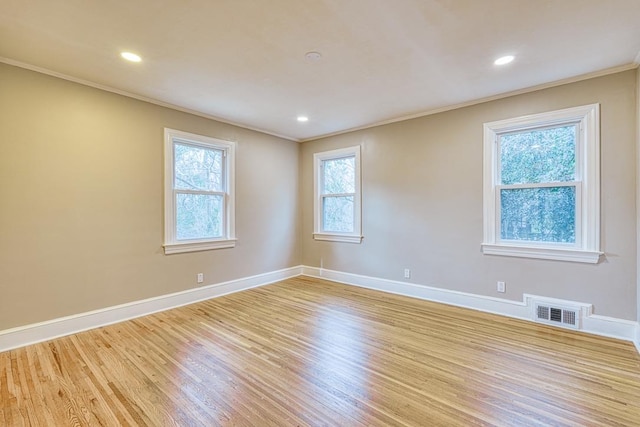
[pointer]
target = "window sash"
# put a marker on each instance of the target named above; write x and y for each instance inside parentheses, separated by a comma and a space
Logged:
(537, 185)
(223, 165)
(323, 190)
(577, 212)
(577, 150)
(323, 198)
(337, 194)
(224, 196)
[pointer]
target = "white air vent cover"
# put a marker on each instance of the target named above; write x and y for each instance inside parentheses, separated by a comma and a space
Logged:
(564, 316)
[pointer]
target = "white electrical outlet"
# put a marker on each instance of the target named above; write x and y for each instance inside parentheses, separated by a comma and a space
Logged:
(407, 273)
(200, 277)
(501, 287)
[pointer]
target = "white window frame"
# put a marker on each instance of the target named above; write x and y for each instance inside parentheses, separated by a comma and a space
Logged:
(228, 240)
(334, 236)
(587, 246)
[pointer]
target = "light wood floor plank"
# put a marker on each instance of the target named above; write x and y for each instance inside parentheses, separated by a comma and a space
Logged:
(308, 352)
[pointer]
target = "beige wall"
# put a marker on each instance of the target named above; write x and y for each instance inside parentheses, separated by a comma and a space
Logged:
(81, 211)
(81, 216)
(638, 193)
(422, 202)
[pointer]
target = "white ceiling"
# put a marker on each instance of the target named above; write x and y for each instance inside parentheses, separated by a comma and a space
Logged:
(243, 61)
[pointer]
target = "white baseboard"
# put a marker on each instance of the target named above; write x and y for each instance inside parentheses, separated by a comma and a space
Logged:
(51, 329)
(591, 323)
(44, 331)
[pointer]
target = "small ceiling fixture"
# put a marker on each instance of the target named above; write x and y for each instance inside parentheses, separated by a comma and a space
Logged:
(313, 56)
(503, 60)
(129, 56)
(303, 119)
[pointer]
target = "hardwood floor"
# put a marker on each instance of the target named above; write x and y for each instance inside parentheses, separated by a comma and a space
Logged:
(306, 352)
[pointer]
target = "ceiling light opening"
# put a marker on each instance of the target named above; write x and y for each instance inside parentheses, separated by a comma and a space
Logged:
(504, 60)
(303, 119)
(129, 56)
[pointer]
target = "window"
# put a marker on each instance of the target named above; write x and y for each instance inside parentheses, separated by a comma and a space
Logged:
(542, 186)
(199, 193)
(337, 214)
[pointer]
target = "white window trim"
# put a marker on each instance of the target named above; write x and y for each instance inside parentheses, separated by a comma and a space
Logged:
(587, 247)
(318, 233)
(171, 244)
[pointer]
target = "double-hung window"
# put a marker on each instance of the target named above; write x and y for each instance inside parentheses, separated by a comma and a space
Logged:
(541, 186)
(337, 212)
(199, 192)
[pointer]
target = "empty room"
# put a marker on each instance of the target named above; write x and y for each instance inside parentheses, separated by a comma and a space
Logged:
(320, 213)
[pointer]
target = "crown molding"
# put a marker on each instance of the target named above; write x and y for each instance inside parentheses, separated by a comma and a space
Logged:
(106, 88)
(443, 109)
(535, 88)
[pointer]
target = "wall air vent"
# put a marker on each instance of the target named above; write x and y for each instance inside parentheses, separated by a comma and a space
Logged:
(566, 317)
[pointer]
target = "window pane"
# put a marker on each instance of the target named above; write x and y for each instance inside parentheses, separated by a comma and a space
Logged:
(538, 214)
(339, 176)
(337, 214)
(536, 156)
(198, 216)
(197, 168)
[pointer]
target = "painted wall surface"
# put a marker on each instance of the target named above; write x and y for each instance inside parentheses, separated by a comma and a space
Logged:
(422, 202)
(81, 201)
(638, 194)
(81, 211)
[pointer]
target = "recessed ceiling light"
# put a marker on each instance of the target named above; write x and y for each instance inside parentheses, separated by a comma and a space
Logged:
(131, 57)
(303, 118)
(504, 60)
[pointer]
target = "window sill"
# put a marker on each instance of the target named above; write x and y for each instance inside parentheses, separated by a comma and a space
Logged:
(346, 238)
(178, 248)
(556, 254)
